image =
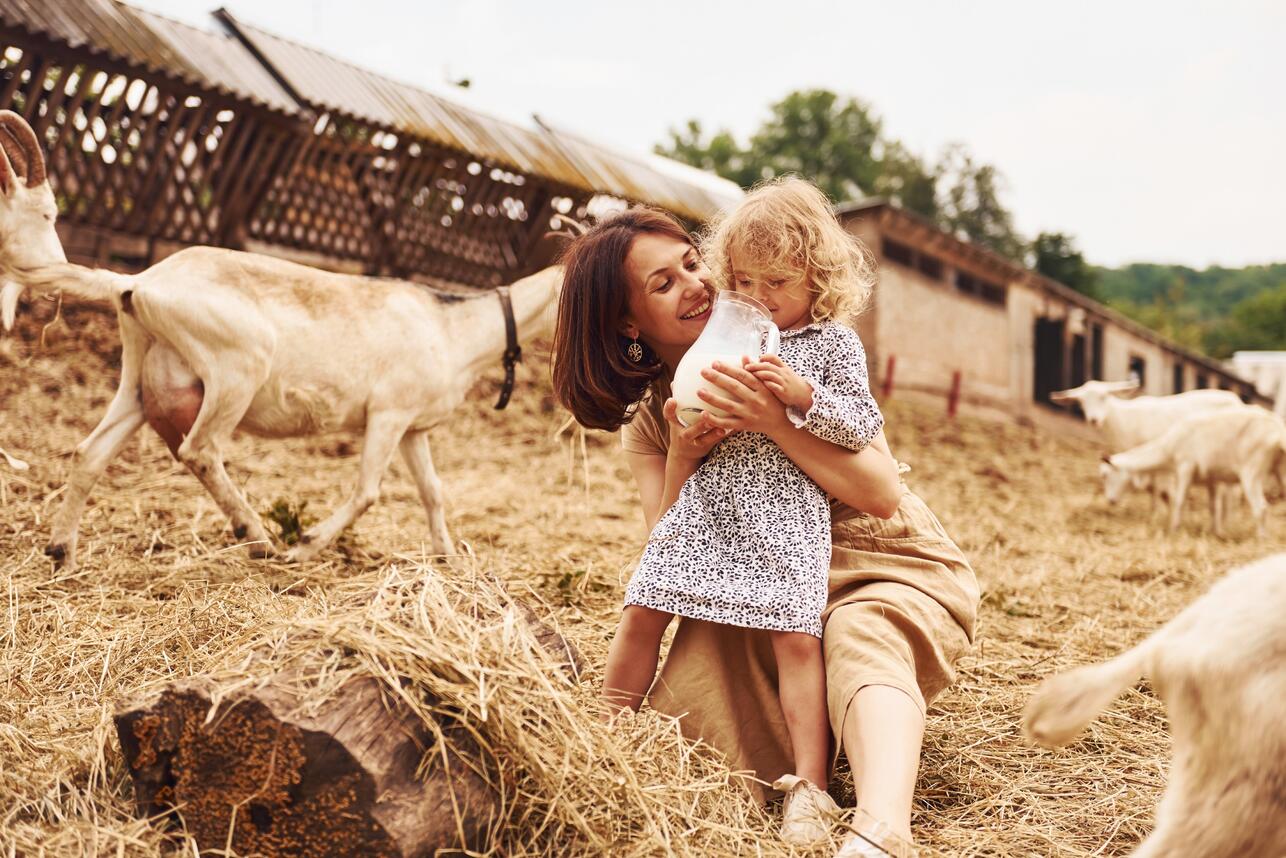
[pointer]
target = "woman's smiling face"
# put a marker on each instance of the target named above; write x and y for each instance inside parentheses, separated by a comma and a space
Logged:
(670, 294)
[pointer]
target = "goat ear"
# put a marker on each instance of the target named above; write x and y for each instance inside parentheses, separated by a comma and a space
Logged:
(1061, 396)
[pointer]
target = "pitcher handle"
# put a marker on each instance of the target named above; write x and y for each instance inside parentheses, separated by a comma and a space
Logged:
(774, 336)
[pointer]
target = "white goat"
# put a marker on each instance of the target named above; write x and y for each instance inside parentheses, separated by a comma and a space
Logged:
(216, 340)
(1130, 422)
(1242, 446)
(1218, 666)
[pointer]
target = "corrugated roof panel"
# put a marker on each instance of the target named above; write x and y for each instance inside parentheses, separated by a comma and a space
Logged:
(330, 84)
(209, 59)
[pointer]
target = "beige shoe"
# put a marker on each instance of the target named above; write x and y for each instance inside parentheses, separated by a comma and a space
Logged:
(807, 813)
(873, 839)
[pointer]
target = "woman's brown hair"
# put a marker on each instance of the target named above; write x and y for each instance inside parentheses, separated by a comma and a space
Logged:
(593, 377)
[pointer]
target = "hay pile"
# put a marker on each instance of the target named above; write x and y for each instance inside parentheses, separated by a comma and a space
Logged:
(162, 596)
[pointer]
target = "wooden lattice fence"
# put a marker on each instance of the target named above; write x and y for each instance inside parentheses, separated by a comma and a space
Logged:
(137, 152)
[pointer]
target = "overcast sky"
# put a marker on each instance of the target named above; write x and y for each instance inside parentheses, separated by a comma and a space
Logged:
(1150, 131)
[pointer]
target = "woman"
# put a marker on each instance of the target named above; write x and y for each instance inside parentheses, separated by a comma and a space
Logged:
(902, 599)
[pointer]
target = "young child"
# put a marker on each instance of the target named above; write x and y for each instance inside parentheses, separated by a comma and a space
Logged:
(747, 542)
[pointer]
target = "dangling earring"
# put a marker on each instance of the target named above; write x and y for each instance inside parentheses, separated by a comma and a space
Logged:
(634, 351)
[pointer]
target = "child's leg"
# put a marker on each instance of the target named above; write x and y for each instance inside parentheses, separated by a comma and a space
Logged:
(801, 683)
(631, 659)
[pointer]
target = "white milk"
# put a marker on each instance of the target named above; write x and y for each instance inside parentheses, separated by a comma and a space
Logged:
(688, 380)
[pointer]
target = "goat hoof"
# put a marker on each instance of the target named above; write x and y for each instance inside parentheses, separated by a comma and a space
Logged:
(240, 531)
(306, 539)
(57, 551)
(261, 551)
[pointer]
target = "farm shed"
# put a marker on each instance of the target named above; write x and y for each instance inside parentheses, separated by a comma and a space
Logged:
(162, 135)
(946, 306)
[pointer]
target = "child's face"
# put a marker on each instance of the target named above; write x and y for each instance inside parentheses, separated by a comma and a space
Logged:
(784, 292)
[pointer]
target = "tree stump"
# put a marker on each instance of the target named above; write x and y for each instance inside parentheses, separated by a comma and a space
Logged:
(269, 781)
(258, 776)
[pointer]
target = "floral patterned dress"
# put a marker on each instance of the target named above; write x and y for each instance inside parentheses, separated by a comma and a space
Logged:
(747, 543)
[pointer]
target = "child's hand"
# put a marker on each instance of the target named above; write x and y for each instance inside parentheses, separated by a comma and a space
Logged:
(783, 381)
(747, 403)
(693, 442)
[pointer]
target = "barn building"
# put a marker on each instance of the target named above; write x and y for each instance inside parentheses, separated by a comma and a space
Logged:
(951, 314)
(161, 135)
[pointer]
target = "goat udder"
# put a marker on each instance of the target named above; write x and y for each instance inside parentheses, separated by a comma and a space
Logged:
(172, 412)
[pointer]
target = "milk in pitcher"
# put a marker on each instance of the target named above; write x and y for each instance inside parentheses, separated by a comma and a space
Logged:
(688, 380)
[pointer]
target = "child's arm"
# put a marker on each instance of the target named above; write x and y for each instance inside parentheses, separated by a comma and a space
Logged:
(840, 409)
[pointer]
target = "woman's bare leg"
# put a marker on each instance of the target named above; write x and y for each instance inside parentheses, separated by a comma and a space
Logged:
(801, 682)
(882, 736)
(632, 657)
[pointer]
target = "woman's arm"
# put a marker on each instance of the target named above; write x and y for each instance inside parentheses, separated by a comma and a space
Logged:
(661, 477)
(865, 480)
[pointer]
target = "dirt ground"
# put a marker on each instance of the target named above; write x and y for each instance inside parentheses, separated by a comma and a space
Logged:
(1066, 579)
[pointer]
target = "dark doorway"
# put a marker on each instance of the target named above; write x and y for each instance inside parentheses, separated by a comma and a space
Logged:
(1077, 377)
(1139, 369)
(1049, 358)
(1178, 377)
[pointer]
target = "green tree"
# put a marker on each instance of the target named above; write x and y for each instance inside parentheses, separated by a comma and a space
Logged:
(1258, 322)
(1055, 255)
(906, 180)
(969, 203)
(719, 154)
(812, 133)
(816, 134)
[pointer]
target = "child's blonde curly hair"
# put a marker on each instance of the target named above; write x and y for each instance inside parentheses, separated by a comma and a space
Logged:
(787, 224)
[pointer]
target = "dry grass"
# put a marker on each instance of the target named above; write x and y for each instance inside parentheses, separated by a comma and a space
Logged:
(162, 594)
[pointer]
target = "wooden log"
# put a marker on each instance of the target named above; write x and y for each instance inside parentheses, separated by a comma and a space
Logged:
(255, 774)
(252, 771)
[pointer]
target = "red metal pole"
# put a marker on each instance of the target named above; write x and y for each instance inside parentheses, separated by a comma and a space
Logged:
(886, 385)
(953, 399)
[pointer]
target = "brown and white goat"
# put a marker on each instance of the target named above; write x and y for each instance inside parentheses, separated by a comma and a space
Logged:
(215, 340)
(1220, 667)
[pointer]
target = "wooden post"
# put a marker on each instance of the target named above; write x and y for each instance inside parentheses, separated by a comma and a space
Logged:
(886, 384)
(953, 398)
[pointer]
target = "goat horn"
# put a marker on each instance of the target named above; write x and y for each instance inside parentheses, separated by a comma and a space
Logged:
(13, 153)
(27, 143)
(575, 227)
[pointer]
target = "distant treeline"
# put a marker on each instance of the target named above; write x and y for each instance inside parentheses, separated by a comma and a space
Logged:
(1217, 310)
(840, 144)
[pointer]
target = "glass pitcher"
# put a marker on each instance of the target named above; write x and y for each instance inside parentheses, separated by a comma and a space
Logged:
(738, 325)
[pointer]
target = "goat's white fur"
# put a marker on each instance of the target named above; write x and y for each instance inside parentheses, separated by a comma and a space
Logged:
(1242, 446)
(1220, 669)
(1130, 422)
(216, 340)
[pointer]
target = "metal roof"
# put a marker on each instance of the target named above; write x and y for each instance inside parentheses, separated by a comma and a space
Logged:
(327, 83)
(210, 60)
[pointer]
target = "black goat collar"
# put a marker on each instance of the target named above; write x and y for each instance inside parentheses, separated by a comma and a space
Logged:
(513, 351)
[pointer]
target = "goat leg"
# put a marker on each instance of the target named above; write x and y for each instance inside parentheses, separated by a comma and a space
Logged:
(201, 451)
(123, 418)
(415, 451)
(383, 430)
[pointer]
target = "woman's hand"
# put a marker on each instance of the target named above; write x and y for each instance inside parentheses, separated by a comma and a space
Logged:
(747, 402)
(691, 443)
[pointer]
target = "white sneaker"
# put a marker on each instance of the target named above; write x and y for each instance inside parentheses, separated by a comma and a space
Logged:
(807, 813)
